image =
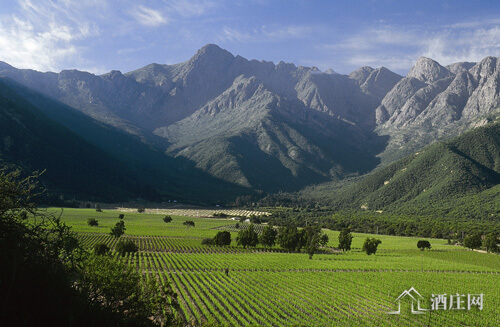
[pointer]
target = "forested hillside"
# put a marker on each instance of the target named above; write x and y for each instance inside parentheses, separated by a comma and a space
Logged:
(460, 175)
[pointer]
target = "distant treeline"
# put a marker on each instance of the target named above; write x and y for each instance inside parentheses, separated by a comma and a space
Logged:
(385, 223)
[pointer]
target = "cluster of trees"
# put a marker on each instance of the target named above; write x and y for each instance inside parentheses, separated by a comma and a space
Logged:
(476, 241)
(47, 277)
(452, 228)
(247, 237)
(288, 237)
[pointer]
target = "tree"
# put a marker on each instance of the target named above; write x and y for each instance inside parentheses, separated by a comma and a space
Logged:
(313, 238)
(119, 229)
(324, 240)
(222, 238)
(490, 242)
(124, 247)
(188, 223)
(117, 287)
(370, 245)
(167, 219)
(92, 222)
(207, 241)
(423, 244)
(100, 248)
(247, 237)
(290, 238)
(255, 219)
(268, 236)
(345, 239)
(46, 276)
(312, 244)
(98, 208)
(473, 241)
(35, 282)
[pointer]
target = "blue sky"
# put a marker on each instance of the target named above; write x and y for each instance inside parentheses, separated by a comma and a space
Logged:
(102, 35)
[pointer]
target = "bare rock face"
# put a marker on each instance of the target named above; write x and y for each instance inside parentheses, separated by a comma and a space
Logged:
(428, 71)
(361, 74)
(486, 96)
(397, 97)
(460, 67)
(379, 82)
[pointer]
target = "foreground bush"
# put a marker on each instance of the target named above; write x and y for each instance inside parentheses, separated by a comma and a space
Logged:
(48, 279)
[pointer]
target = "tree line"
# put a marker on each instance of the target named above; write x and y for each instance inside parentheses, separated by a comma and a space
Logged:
(289, 237)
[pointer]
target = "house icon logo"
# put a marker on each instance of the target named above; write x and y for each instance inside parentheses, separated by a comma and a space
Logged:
(415, 301)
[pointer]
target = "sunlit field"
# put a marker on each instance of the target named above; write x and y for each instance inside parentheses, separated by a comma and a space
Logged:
(274, 288)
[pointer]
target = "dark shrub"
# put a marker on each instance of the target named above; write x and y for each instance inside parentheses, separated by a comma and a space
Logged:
(92, 222)
(124, 247)
(101, 249)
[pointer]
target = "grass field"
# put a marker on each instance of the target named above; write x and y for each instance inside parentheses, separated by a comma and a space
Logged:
(273, 288)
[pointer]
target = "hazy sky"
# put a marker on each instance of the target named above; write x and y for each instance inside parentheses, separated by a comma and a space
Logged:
(102, 35)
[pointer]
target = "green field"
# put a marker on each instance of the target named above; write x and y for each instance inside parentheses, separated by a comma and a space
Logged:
(274, 288)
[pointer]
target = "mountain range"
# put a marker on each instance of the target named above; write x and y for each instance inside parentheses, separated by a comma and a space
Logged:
(218, 125)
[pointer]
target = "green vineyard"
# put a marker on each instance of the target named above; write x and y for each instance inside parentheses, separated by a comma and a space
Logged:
(275, 288)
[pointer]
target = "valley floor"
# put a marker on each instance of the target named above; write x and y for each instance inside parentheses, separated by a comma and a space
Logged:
(274, 288)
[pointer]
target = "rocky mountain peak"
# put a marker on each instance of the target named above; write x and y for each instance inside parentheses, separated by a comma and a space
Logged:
(460, 67)
(361, 74)
(487, 67)
(428, 70)
(209, 53)
(330, 72)
(113, 74)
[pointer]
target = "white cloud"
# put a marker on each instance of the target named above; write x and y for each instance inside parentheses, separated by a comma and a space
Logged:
(229, 34)
(190, 8)
(398, 47)
(43, 35)
(23, 46)
(266, 34)
(148, 16)
(382, 37)
(288, 32)
(471, 45)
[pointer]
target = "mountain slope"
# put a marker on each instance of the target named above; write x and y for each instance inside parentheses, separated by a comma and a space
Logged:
(248, 126)
(434, 103)
(437, 174)
(31, 141)
(226, 115)
(127, 154)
